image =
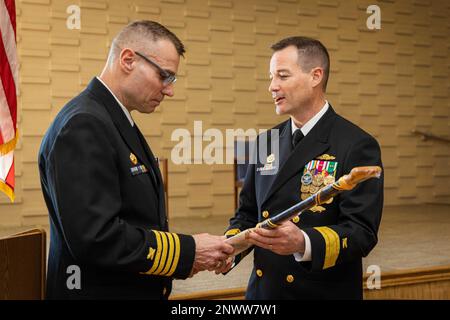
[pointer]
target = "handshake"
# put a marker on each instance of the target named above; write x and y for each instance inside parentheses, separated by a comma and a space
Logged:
(212, 254)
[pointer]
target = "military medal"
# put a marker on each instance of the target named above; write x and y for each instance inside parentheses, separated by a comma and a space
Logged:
(328, 180)
(307, 178)
(304, 188)
(317, 174)
(306, 182)
(305, 196)
(317, 180)
(313, 189)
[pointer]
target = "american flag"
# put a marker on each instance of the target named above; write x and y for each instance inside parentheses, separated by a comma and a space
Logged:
(8, 96)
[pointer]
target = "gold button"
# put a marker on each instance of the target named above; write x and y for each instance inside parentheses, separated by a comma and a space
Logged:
(296, 219)
(164, 291)
(265, 214)
(290, 278)
(259, 273)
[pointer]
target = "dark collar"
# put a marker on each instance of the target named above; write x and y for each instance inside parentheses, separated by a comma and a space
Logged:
(99, 91)
(129, 134)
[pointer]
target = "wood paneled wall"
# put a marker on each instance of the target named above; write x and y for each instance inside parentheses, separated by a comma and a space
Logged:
(388, 81)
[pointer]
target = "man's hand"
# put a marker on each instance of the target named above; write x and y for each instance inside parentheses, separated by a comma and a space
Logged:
(211, 252)
(284, 240)
(225, 266)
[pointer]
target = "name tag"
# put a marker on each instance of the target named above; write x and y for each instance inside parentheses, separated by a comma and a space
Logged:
(267, 169)
(270, 168)
(138, 170)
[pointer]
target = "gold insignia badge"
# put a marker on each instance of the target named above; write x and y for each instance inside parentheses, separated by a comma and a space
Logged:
(344, 243)
(151, 253)
(271, 158)
(133, 159)
(317, 209)
(325, 157)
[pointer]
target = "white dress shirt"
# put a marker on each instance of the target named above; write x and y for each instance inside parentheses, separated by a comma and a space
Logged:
(306, 128)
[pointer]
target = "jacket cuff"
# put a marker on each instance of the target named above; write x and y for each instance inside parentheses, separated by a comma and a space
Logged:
(187, 256)
(173, 256)
(325, 247)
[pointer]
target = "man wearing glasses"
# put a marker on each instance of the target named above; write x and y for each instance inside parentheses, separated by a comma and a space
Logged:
(103, 187)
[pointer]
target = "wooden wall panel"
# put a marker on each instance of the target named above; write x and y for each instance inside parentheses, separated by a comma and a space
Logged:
(388, 81)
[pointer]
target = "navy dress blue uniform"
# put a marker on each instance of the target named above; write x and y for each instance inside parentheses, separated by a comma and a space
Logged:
(105, 197)
(340, 232)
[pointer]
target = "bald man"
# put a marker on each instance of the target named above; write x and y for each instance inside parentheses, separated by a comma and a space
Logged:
(103, 188)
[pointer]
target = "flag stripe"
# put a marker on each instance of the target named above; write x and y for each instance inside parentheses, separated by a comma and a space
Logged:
(7, 175)
(8, 34)
(11, 8)
(7, 81)
(6, 124)
(5, 165)
(10, 177)
(8, 95)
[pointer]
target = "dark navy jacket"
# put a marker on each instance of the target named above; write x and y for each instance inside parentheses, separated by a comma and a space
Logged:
(341, 234)
(105, 197)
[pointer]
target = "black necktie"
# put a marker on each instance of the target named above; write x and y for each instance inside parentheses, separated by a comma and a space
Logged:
(297, 137)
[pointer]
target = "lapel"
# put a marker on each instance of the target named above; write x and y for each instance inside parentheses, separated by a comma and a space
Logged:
(122, 124)
(311, 146)
(159, 185)
(150, 155)
(285, 148)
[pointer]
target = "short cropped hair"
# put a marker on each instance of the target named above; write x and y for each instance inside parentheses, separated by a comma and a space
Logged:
(135, 32)
(311, 53)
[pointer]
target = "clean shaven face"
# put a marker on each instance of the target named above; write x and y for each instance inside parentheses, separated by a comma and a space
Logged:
(291, 88)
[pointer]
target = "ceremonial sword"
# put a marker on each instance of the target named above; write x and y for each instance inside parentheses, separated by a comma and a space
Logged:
(344, 183)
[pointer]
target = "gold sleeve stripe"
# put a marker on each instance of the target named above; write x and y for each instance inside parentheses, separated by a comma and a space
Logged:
(170, 255)
(158, 253)
(176, 256)
(232, 232)
(165, 250)
(332, 246)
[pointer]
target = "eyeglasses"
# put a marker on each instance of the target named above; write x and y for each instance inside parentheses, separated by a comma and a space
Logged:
(166, 77)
